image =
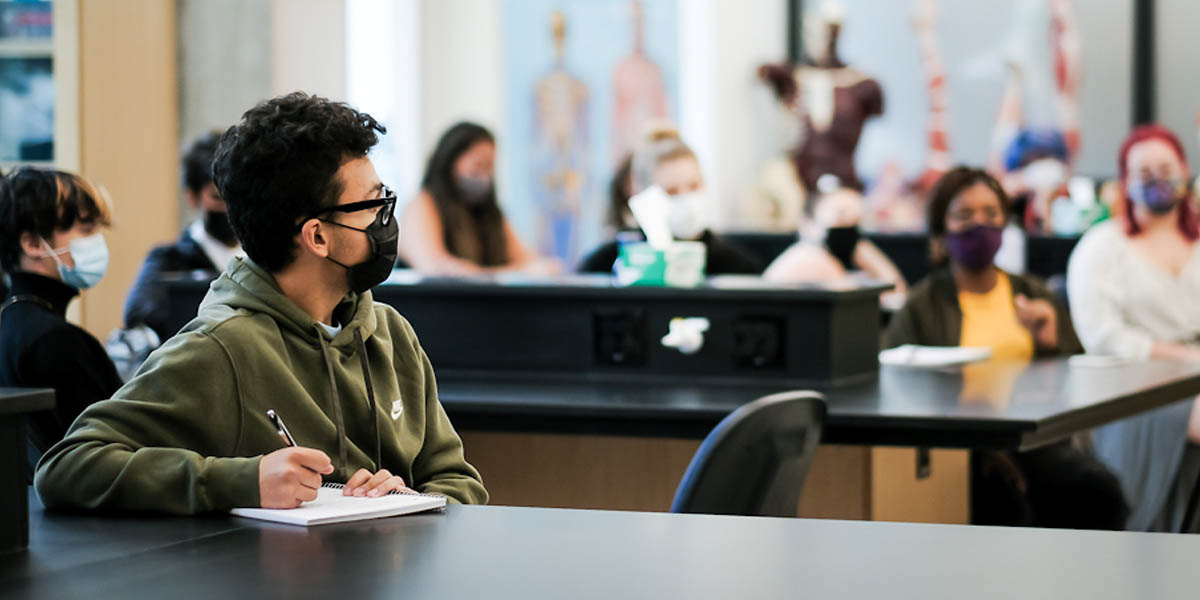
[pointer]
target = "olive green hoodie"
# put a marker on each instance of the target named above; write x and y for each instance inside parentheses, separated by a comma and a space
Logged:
(186, 434)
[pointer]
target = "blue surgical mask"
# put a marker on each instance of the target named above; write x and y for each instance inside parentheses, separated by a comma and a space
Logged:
(1159, 195)
(91, 261)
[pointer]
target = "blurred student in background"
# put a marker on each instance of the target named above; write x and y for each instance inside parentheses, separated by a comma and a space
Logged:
(663, 159)
(52, 248)
(207, 245)
(969, 301)
(1133, 283)
(831, 246)
(454, 226)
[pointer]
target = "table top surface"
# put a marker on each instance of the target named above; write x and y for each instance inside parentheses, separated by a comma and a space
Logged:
(23, 400)
(725, 287)
(530, 553)
(992, 404)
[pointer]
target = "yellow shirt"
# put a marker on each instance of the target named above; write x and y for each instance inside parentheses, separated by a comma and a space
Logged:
(990, 320)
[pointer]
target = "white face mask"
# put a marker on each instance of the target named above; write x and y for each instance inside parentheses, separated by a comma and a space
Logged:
(688, 215)
(1045, 174)
(91, 261)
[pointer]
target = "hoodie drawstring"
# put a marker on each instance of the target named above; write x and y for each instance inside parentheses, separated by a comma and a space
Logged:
(362, 360)
(337, 401)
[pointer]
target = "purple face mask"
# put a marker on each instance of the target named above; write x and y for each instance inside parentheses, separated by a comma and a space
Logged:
(975, 247)
(1159, 196)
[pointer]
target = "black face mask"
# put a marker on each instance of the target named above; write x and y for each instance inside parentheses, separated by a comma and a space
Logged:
(841, 242)
(217, 225)
(382, 233)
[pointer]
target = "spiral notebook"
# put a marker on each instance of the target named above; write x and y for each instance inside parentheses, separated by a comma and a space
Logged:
(332, 507)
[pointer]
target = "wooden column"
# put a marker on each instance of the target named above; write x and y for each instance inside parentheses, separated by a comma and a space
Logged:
(129, 142)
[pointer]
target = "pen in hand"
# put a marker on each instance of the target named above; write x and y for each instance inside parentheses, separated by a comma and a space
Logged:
(358, 482)
(277, 421)
(290, 476)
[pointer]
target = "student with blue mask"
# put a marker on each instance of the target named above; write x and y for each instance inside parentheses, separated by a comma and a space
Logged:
(51, 245)
(1133, 282)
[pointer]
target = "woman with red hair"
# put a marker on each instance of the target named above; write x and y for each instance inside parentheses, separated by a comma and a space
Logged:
(1134, 287)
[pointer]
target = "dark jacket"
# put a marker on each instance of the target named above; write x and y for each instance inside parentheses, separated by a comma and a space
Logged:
(1057, 485)
(39, 348)
(147, 300)
(724, 258)
(932, 316)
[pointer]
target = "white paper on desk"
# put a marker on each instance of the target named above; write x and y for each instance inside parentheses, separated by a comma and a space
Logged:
(1098, 361)
(332, 507)
(911, 355)
(651, 209)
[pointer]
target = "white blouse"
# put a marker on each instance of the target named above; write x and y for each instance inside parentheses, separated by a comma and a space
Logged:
(1121, 303)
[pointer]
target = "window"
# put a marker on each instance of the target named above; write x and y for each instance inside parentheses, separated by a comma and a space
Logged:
(26, 81)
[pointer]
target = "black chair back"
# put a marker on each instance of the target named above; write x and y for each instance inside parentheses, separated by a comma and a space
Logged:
(754, 462)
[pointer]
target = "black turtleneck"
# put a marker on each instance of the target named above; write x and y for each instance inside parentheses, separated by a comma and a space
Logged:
(39, 348)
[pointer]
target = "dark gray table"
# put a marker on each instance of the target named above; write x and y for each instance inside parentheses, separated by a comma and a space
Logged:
(1016, 407)
(14, 404)
(530, 554)
(25, 400)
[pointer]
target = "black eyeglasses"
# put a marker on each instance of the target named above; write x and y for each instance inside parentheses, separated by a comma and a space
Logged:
(387, 202)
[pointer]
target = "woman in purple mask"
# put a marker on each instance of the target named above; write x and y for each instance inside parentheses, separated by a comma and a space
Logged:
(969, 301)
(1134, 286)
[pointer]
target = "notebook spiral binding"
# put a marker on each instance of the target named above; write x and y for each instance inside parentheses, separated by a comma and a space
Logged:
(342, 486)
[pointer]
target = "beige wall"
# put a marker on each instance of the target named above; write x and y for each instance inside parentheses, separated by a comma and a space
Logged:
(224, 61)
(308, 49)
(128, 136)
(460, 81)
(1178, 95)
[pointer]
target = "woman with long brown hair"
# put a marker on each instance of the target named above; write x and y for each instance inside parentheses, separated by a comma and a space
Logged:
(455, 225)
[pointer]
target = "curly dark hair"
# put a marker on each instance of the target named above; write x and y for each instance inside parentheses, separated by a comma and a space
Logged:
(42, 201)
(279, 165)
(944, 192)
(198, 161)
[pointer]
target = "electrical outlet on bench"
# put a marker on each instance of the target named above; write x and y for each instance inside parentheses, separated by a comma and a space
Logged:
(759, 342)
(619, 337)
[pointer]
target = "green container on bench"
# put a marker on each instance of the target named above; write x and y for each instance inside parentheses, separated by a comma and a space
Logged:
(680, 265)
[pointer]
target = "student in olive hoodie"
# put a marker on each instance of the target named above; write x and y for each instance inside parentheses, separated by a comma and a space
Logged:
(292, 328)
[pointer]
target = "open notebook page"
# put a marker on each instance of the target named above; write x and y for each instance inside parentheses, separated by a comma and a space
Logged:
(332, 507)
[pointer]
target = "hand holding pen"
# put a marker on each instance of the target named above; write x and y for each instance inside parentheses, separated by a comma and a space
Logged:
(362, 483)
(292, 475)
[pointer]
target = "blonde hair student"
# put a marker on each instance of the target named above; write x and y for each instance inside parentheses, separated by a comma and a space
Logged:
(662, 158)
